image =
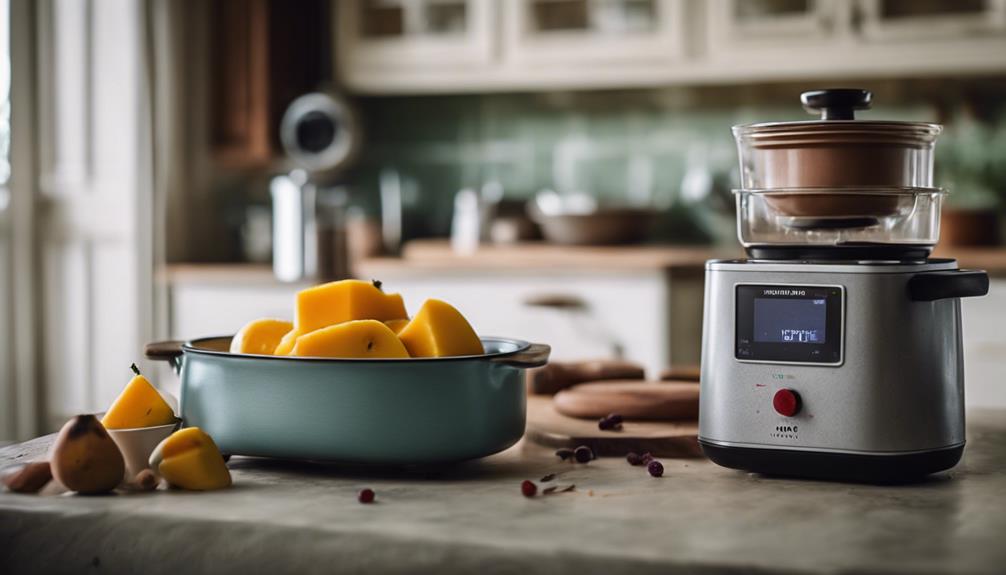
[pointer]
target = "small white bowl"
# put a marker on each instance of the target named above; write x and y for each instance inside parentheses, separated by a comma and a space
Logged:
(138, 443)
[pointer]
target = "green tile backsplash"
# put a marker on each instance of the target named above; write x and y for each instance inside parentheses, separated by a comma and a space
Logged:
(630, 146)
(621, 146)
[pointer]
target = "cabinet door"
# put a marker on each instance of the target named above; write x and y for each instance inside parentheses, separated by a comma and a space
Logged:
(376, 37)
(985, 347)
(593, 33)
(746, 24)
(627, 313)
(899, 20)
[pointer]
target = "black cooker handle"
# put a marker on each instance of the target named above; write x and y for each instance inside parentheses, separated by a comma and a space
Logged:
(836, 103)
(944, 284)
(534, 355)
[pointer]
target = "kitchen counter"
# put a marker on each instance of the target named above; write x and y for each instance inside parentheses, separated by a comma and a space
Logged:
(424, 257)
(304, 518)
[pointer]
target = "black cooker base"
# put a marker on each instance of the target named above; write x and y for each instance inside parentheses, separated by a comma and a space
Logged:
(901, 468)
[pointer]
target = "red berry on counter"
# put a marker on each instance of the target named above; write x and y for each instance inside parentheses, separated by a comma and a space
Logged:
(366, 496)
(528, 488)
(645, 458)
(633, 458)
(655, 468)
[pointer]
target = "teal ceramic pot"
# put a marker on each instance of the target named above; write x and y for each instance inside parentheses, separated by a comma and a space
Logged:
(386, 411)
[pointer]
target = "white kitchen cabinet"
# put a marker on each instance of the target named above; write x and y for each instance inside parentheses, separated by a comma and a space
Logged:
(645, 314)
(985, 347)
(411, 41)
(927, 20)
(396, 47)
(593, 34)
(653, 315)
(753, 28)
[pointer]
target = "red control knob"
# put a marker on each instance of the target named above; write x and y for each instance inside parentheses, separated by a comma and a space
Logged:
(786, 402)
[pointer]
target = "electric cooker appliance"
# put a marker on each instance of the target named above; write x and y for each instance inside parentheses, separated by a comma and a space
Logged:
(834, 351)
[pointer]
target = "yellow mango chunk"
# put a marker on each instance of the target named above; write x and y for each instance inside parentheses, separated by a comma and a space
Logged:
(346, 300)
(286, 344)
(139, 405)
(190, 459)
(260, 337)
(397, 325)
(365, 338)
(439, 330)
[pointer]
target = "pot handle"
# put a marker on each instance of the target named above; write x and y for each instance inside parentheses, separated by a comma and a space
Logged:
(945, 284)
(169, 351)
(535, 355)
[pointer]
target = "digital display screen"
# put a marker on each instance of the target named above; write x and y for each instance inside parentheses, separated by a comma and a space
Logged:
(789, 323)
(790, 320)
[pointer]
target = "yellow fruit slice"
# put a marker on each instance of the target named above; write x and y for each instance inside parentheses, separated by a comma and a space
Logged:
(260, 337)
(439, 330)
(347, 300)
(190, 459)
(286, 344)
(139, 405)
(397, 325)
(365, 338)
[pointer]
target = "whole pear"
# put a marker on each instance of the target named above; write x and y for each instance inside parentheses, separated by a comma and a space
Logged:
(84, 457)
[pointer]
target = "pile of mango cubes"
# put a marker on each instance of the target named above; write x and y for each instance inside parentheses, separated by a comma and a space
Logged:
(356, 319)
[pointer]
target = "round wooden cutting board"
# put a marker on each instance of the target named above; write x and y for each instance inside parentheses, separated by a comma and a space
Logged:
(548, 427)
(670, 401)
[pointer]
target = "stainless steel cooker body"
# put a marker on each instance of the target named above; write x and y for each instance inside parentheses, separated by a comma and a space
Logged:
(834, 370)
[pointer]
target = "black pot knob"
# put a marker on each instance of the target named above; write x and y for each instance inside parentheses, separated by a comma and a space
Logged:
(836, 103)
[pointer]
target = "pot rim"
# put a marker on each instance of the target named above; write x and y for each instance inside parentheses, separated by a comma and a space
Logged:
(815, 126)
(191, 346)
(856, 191)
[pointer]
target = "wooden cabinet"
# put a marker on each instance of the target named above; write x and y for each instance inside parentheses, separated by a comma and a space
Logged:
(263, 54)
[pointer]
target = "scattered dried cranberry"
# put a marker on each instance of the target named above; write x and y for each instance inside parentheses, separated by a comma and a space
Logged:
(564, 453)
(611, 422)
(366, 496)
(633, 458)
(583, 454)
(655, 468)
(528, 488)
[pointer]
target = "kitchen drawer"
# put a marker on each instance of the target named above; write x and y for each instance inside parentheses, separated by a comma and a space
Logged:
(199, 310)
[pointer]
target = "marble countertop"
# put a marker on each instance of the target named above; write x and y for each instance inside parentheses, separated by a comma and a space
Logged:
(304, 518)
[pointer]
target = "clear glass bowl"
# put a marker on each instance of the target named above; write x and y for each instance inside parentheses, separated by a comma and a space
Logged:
(839, 217)
(836, 154)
